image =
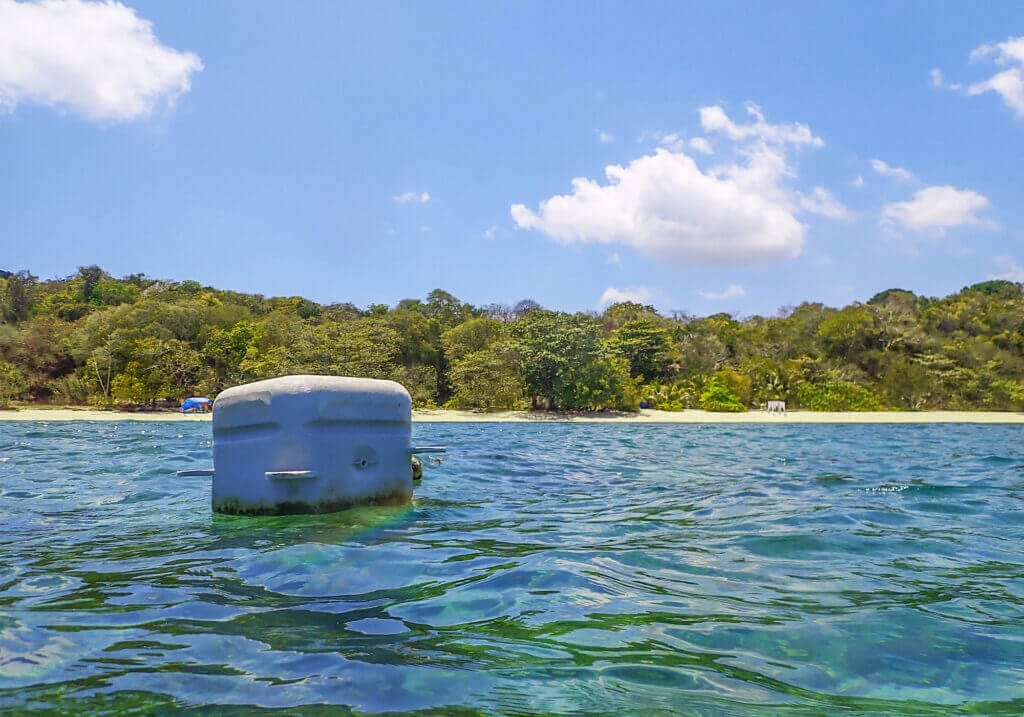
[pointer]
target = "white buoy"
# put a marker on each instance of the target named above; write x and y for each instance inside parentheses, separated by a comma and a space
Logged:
(311, 444)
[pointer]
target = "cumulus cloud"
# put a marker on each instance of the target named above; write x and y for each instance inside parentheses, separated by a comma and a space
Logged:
(936, 209)
(491, 232)
(665, 205)
(605, 137)
(412, 198)
(97, 60)
(820, 201)
(858, 181)
(880, 167)
(733, 291)
(1008, 269)
(1008, 84)
(637, 294)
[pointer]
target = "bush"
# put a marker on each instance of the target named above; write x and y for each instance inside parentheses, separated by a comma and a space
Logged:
(666, 397)
(717, 397)
(836, 396)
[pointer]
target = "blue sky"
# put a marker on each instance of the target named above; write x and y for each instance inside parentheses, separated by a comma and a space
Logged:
(368, 153)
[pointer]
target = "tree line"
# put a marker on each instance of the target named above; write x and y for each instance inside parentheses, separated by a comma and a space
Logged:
(92, 339)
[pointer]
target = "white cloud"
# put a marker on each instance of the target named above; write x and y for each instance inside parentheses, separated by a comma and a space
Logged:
(97, 60)
(1008, 84)
(672, 141)
(412, 198)
(936, 77)
(491, 232)
(1008, 269)
(820, 201)
(700, 144)
(880, 167)
(714, 119)
(939, 208)
(666, 206)
(605, 137)
(675, 142)
(858, 181)
(733, 291)
(614, 259)
(615, 295)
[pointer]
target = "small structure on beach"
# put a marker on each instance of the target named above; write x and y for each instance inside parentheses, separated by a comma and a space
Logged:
(777, 407)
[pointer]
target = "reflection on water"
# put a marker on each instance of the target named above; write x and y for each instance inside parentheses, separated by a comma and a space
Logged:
(542, 568)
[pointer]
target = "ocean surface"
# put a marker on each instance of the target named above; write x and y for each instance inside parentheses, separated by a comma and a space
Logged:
(640, 569)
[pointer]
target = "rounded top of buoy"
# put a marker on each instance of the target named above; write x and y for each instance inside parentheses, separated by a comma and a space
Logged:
(328, 398)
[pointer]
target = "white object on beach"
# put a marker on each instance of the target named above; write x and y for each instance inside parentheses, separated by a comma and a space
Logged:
(776, 407)
(311, 444)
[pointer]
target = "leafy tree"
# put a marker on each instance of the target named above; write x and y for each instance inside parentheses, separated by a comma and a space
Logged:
(471, 337)
(551, 347)
(847, 332)
(111, 292)
(904, 383)
(525, 306)
(226, 349)
(487, 379)
(17, 295)
(598, 385)
(645, 346)
(619, 313)
(447, 309)
(701, 353)
(90, 276)
(12, 383)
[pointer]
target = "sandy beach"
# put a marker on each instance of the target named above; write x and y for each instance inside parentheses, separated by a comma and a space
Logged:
(644, 416)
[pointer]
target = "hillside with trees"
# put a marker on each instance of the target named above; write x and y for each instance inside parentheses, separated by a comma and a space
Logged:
(93, 339)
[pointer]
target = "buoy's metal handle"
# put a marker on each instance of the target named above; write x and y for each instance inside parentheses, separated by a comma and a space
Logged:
(289, 475)
(197, 472)
(426, 449)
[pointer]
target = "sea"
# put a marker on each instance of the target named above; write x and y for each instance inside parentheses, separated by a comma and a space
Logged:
(542, 567)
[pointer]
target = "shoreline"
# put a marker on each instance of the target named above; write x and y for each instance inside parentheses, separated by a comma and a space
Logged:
(690, 416)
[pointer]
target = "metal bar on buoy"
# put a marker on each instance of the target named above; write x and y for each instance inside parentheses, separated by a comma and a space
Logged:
(289, 475)
(197, 472)
(427, 449)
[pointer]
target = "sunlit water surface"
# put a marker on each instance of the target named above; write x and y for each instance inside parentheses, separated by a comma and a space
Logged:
(541, 568)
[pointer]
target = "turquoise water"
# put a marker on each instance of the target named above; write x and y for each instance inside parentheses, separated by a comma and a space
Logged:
(542, 568)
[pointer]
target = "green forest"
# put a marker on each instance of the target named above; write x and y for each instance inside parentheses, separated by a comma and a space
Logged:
(92, 339)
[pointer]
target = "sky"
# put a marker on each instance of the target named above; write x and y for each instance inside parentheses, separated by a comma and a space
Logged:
(700, 157)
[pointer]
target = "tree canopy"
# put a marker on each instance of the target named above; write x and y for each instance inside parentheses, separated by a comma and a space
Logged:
(93, 338)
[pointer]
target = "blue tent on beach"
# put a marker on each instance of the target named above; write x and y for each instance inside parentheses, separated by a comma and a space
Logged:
(196, 404)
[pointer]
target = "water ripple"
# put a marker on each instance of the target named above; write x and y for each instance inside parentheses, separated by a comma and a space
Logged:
(541, 568)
